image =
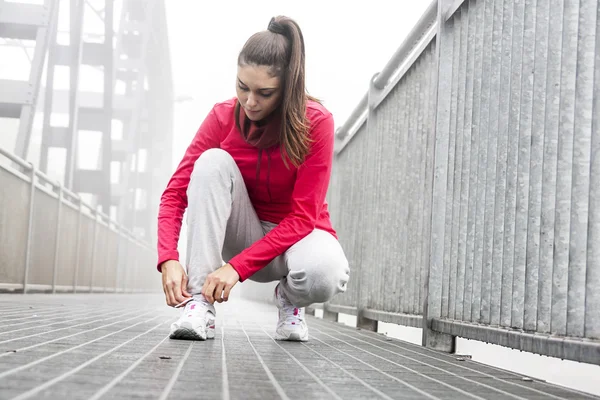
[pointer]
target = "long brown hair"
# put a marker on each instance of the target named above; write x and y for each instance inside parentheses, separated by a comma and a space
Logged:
(281, 48)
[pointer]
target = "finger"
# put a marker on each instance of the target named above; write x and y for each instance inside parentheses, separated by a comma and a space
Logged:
(227, 291)
(169, 291)
(164, 286)
(209, 293)
(178, 295)
(184, 284)
(219, 292)
(204, 287)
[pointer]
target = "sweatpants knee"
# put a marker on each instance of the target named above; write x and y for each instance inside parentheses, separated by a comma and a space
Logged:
(212, 164)
(321, 277)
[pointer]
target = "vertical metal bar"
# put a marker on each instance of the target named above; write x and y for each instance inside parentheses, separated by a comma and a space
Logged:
(421, 145)
(94, 247)
(77, 8)
(398, 280)
(414, 182)
(584, 95)
(523, 275)
(48, 95)
(109, 79)
(592, 294)
(513, 276)
(501, 273)
(365, 275)
(461, 167)
(533, 307)
(449, 265)
(476, 9)
(107, 253)
(562, 231)
(481, 256)
(135, 266)
(407, 276)
(35, 76)
(30, 227)
(489, 274)
(57, 238)
(78, 246)
(428, 178)
(119, 254)
(550, 162)
(433, 284)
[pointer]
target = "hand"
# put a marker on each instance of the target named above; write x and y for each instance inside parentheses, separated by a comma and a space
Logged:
(174, 280)
(222, 280)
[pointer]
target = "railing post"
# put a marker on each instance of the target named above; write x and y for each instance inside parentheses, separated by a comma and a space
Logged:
(365, 274)
(432, 307)
(135, 263)
(330, 315)
(29, 229)
(118, 263)
(107, 259)
(57, 239)
(77, 247)
(94, 246)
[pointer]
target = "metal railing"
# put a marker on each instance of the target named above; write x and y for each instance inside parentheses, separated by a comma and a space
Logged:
(52, 241)
(465, 183)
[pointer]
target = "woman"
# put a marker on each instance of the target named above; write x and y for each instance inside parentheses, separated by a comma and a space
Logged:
(254, 181)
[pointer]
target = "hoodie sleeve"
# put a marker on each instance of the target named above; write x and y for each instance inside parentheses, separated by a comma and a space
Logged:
(174, 200)
(308, 197)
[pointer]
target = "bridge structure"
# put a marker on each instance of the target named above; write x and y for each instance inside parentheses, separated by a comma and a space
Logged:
(464, 193)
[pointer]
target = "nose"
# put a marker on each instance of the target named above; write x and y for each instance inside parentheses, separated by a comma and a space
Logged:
(251, 102)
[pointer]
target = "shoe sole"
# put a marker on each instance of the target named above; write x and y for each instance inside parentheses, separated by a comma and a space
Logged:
(292, 337)
(190, 334)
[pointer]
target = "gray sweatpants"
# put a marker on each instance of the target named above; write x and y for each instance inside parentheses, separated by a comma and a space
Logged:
(222, 223)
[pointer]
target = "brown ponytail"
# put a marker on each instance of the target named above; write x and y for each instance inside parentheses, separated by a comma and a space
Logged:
(281, 48)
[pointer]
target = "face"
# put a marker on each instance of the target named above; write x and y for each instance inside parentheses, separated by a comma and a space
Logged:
(258, 92)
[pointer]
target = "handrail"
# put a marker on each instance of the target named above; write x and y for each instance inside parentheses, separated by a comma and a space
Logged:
(57, 185)
(415, 36)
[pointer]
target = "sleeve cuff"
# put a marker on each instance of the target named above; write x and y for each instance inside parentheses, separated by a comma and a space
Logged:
(242, 272)
(171, 255)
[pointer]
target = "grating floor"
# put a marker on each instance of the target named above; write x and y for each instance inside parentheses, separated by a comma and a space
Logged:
(80, 346)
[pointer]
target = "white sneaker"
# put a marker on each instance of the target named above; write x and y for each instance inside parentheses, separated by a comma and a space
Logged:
(291, 325)
(197, 322)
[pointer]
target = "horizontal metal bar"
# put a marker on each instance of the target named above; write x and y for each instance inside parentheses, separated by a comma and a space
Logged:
(17, 160)
(21, 21)
(23, 14)
(344, 130)
(414, 37)
(576, 349)
(16, 92)
(341, 309)
(415, 321)
(412, 58)
(38, 288)
(11, 286)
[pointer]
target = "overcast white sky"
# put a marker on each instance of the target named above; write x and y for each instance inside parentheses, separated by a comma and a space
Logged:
(346, 43)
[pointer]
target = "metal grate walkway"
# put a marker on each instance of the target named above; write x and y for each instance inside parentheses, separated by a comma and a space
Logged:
(116, 346)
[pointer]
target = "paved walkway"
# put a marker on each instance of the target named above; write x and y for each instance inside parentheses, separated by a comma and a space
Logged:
(116, 347)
